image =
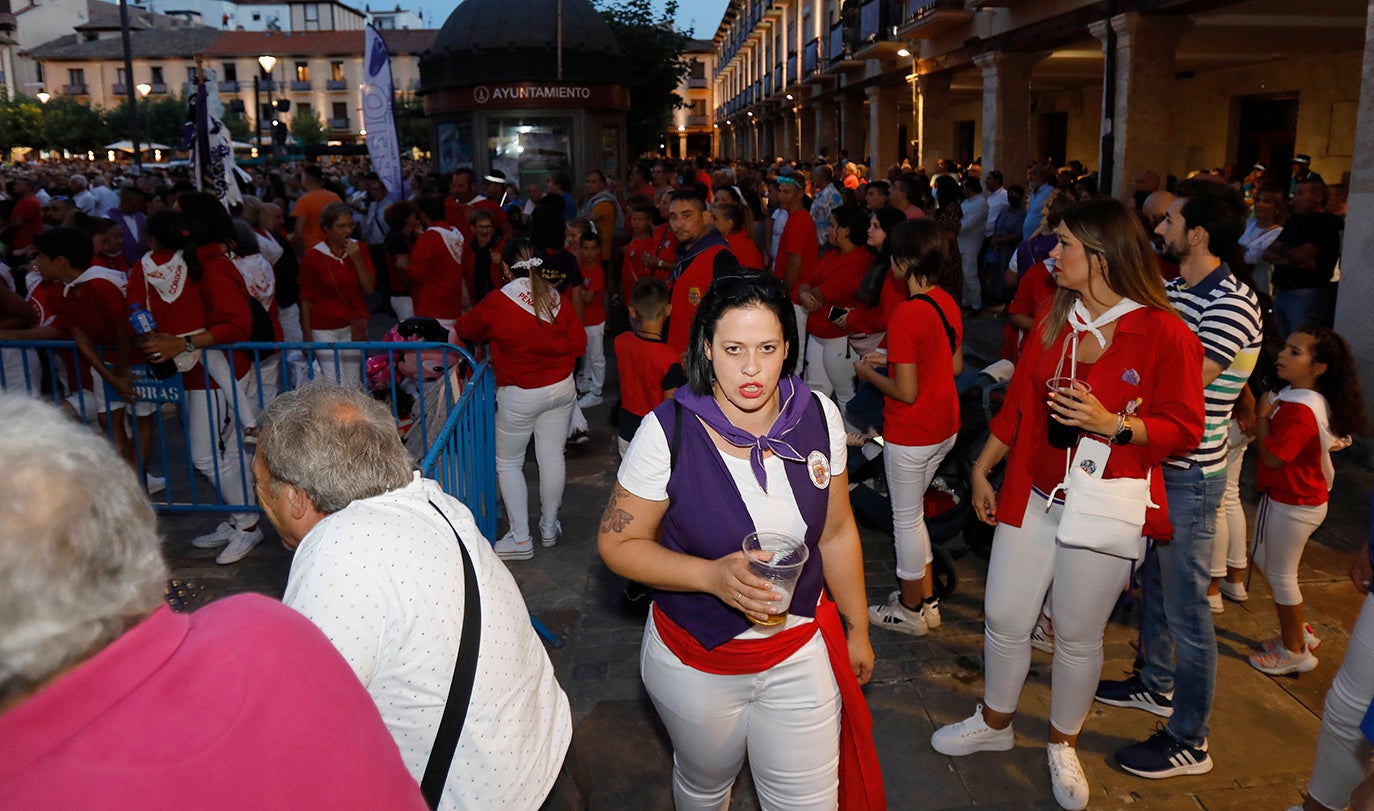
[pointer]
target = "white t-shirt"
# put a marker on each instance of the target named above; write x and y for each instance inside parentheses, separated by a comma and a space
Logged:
(383, 579)
(645, 469)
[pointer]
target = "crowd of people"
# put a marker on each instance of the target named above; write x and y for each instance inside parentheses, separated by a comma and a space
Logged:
(766, 320)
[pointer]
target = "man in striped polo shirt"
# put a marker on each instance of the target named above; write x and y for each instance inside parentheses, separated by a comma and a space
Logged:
(1179, 639)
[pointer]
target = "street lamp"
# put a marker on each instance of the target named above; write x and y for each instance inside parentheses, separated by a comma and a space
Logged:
(43, 100)
(143, 89)
(267, 62)
(913, 137)
(43, 97)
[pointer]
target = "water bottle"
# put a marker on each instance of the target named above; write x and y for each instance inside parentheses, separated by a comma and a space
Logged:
(143, 324)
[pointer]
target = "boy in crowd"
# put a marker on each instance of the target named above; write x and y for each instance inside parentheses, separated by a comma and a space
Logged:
(650, 371)
(640, 213)
(592, 376)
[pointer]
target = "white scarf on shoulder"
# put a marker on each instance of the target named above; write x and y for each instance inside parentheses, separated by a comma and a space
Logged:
(1080, 320)
(94, 272)
(1322, 411)
(453, 240)
(169, 278)
(518, 291)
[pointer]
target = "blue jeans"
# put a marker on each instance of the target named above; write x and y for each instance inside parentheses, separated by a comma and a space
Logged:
(1177, 633)
(1303, 307)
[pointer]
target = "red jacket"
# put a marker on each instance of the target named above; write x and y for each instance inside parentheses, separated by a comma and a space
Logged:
(227, 316)
(525, 351)
(436, 277)
(1155, 360)
(687, 292)
(330, 284)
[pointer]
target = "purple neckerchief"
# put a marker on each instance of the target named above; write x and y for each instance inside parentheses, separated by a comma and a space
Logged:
(789, 416)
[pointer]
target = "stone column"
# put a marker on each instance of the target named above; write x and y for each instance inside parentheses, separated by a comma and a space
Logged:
(787, 143)
(823, 114)
(682, 144)
(1146, 47)
(935, 132)
(883, 121)
(852, 125)
(715, 141)
(1006, 110)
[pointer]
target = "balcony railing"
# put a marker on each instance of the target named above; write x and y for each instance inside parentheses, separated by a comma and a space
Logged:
(336, 84)
(695, 83)
(300, 85)
(777, 79)
(931, 17)
(159, 89)
(75, 90)
(696, 120)
(838, 48)
(338, 123)
(118, 89)
(871, 16)
(811, 56)
(229, 86)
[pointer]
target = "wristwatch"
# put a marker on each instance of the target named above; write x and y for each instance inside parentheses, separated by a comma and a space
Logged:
(1124, 434)
(190, 347)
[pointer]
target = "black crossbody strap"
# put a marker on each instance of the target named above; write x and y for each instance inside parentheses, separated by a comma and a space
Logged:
(949, 331)
(460, 691)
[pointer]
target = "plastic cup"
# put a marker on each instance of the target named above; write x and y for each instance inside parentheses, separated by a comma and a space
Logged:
(1063, 436)
(778, 558)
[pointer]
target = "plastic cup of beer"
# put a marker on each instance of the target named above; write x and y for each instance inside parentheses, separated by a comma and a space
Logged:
(778, 558)
(1060, 435)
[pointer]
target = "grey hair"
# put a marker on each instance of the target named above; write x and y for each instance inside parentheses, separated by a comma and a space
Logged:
(78, 181)
(80, 559)
(333, 442)
(332, 213)
(252, 210)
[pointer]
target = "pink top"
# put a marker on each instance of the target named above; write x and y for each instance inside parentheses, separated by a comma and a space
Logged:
(243, 704)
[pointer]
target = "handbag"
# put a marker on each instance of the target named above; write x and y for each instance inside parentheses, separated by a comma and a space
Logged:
(460, 690)
(1105, 515)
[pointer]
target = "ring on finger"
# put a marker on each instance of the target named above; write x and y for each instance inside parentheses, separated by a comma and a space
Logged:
(738, 598)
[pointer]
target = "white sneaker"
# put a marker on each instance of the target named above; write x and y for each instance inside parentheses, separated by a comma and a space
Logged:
(557, 533)
(240, 544)
(1281, 661)
(510, 549)
(1042, 637)
(155, 484)
(930, 612)
(972, 735)
(1067, 778)
(1233, 591)
(589, 400)
(1308, 635)
(221, 536)
(1214, 602)
(894, 616)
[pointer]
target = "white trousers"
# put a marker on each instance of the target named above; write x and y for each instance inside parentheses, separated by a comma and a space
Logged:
(297, 369)
(1343, 753)
(217, 449)
(831, 370)
(801, 337)
(1281, 533)
(1230, 541)
(221, 370)
(968, 257)
(342, 367)
(1024, 561)
(786, 719)
(592, 376)
(910, 469)
(404, 307)
(543, 414)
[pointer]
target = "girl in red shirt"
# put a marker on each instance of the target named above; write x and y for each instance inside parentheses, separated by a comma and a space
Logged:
(336, 273)
(640, 218)
(879, 294)
(1112, 323)
(1298, 428)
(730, 222)
(829, 362)
(920, 415)
(535, 339)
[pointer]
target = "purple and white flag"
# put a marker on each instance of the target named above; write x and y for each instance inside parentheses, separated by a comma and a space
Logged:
(383, 147)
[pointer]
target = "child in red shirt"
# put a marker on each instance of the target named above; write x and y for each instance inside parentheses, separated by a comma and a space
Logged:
(641, 244)
(1297, 429)
(592, 375)
(649, 369)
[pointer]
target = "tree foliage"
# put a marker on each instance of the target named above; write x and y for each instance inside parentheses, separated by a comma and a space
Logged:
(161, 120)
(307, 127)
(652, 47)
(412, 128)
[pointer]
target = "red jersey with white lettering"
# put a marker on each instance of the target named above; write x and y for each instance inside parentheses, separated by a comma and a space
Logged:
(526, 351)
(437, 268)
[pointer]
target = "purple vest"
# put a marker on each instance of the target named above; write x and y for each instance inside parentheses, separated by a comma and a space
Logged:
(707, 518)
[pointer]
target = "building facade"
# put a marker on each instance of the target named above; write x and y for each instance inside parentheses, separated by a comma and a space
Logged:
(693, 130)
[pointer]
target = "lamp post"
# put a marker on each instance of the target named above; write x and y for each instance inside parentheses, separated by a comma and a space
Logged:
(913, 139)
(43, 100)
(796, 112)
(267, 62)
(143, 89)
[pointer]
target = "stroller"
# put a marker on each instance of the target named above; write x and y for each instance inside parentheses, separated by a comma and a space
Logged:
(948, 504)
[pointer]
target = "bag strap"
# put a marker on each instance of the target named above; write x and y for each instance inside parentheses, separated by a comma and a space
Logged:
(460, 691)
(949, 330)
(676, 441)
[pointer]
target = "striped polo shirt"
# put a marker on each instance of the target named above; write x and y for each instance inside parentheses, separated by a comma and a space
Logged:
(1225, 314)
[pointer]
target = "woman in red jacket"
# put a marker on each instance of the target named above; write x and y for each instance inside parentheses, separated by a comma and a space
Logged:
(830, 364)
(535, 338)
(1135, 399)
(336, 273)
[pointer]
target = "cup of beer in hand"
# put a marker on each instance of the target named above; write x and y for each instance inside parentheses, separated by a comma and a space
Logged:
(778, 558)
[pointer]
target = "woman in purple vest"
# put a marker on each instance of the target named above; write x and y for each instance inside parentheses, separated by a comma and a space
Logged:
(745, 447)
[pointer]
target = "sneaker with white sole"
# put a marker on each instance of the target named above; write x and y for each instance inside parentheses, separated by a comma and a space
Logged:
(557, 533)
(1235, 592)
(1132, 693)
(1162, 755)
(894, 616)
(510, 549)
(1282, 662)
(930, 612)
(1067, 778)
(1042, 637)
(972, 735)
(155, 484)
(590, 400)
(221, 536)
(240, 544)
(1214, 602)
(1308, 636)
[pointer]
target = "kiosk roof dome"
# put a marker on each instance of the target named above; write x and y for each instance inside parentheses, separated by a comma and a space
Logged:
(477, 25)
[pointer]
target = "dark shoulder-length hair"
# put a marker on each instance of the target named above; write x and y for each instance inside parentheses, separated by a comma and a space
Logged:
(871, 287)
(208, 223)
(734, 290)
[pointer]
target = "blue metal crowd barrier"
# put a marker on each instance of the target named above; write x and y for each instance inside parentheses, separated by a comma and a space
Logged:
(442, 398)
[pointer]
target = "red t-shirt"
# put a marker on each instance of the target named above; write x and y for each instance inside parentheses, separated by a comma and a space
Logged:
(594, 279)
(330, 284)
(28, 209)
(1037, 285)
(798, 238)
(526, 351)
(916, 335)
(839, 275)
(116, 262)
(1293, 437)
(644, 365)
(96, 307)
(745, 251)
(865, 320)
(665, 248)
(436, 276)
(633, 269)
(183, 314)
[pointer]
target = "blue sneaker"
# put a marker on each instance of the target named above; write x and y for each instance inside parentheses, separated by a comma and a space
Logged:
(1163, 755)
(1133, 694)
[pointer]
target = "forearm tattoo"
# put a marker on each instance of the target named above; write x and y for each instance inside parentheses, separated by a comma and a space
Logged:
(848, 626)
(614, 519)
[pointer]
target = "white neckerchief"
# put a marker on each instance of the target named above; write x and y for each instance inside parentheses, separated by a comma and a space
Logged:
(453, 240)
(1322, 411)
(110, 275)
(168, 279)
(323, 247)
(257, 275)
(1080, 320)
(518, 291)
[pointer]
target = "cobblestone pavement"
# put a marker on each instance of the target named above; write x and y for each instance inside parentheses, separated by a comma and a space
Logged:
(1263, 729)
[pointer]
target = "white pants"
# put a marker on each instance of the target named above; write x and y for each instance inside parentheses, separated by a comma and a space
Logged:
(910, 469)
(404, 307)
(221, 370)
(217, 449)
(542, 413)
(1281, 533)
(1343, 753)
(831, 370)
(968, 257)
(1024, 561)
(1230, 540)
(786, 719)
(592, 375)
(264, 383)
(801, 337)
(343, 367)
(297, 369)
